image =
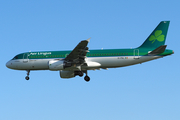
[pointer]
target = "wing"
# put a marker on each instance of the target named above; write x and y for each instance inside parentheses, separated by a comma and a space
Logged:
(78, 54)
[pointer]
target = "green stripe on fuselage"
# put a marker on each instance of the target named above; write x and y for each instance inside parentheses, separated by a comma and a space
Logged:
(92, 53)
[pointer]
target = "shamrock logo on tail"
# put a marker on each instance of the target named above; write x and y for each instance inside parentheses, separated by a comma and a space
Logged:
(157, 36)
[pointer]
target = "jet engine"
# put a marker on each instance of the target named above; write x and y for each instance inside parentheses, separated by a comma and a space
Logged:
(66, 74)
(55, 65)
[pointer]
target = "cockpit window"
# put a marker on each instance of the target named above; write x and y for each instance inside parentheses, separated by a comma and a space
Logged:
(16, 57)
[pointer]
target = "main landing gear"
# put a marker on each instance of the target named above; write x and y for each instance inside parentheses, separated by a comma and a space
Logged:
(81, 73)
(27, 77)
(86, 78)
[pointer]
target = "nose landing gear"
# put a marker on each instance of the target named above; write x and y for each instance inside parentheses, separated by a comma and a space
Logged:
(27, 77)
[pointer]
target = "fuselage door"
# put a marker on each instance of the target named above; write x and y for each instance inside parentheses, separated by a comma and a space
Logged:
(136, 53)
(25, 57)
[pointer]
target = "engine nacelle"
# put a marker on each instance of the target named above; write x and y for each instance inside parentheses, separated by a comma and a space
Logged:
(55, 65)
(66, 74)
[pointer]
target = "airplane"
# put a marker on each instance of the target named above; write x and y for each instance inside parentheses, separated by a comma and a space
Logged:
(81, 59)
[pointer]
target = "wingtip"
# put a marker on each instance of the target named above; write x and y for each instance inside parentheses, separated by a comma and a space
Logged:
(88, 39)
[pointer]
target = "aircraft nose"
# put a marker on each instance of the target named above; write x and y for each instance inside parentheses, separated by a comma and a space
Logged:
(8, 64)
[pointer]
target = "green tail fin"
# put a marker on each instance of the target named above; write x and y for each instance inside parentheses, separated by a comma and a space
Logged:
(157, 37)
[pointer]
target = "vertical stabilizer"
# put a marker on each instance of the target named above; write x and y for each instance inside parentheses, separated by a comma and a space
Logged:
(157, 37)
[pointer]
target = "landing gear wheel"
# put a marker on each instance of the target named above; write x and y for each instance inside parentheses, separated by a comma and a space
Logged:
(80, 73)
(87, 78)
(27, 77)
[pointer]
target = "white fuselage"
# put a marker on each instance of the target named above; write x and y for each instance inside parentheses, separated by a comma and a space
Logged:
(101, 62)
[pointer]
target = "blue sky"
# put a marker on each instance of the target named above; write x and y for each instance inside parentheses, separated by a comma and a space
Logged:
(149, 91)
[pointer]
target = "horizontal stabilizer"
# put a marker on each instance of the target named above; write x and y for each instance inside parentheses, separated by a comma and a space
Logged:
(158, 50)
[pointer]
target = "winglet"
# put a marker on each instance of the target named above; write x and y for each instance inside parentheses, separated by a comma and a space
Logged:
(88, 39)
(158, 50)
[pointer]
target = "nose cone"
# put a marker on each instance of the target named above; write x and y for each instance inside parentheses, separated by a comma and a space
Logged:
(8, 64)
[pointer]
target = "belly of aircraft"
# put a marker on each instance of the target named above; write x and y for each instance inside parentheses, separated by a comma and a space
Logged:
(113, 62)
